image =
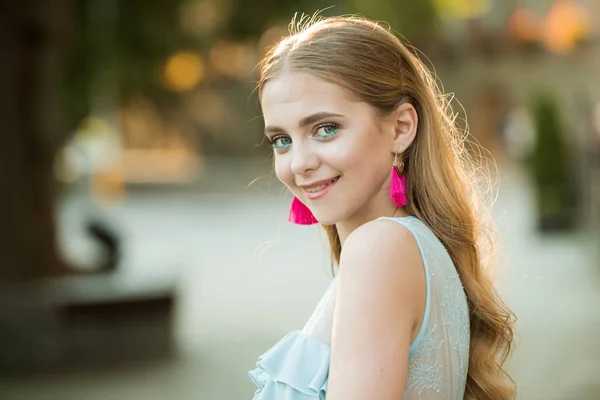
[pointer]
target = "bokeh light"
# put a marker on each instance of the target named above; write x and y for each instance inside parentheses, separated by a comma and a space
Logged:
(201, 18)
(183, 71)
(209, 109)
(462, 9)
(229, 58)
(524, 26)
(564, 26)
(270, 37)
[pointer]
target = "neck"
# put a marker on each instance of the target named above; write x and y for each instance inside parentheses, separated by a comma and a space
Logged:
(347, 226)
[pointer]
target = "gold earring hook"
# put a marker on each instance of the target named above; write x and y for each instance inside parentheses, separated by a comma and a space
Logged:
(399, 166)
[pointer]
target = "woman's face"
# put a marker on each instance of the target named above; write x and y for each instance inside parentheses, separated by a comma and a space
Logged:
(332, 151)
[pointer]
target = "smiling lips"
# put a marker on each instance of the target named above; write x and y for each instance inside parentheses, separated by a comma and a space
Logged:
(318, 189)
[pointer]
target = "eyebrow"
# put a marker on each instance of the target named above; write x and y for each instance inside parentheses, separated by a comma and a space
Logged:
(311, 119)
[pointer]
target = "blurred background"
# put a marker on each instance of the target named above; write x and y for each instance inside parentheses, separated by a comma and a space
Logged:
(144, 246)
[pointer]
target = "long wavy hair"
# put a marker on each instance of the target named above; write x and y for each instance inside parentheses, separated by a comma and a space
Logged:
(445, 182)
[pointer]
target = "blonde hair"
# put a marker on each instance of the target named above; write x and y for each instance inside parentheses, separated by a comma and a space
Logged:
(442, 190)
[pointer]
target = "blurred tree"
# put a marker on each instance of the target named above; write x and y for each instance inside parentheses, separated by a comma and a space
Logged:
(56, 53)
(121, 47)
(415, 20)
(252, 17)
(33, 34)
(552, 167)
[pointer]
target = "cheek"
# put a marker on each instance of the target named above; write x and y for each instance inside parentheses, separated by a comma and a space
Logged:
(359, 154)
(367, 158)
(282, 169)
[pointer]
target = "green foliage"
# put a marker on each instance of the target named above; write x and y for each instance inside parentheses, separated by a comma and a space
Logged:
(121, 45)
(550, 162)
(149, 31)
(414, 20)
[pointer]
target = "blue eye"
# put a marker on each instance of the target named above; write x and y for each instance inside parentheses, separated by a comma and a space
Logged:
(327, 130)
(281, 141)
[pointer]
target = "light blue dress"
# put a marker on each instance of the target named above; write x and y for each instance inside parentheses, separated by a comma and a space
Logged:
(297, 368)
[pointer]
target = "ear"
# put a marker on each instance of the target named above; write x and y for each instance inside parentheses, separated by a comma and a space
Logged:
(405, 122)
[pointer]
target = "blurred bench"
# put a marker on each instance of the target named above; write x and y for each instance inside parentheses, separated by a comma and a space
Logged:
(86, 321)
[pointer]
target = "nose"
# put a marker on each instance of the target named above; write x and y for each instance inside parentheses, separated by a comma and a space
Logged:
(304, 159)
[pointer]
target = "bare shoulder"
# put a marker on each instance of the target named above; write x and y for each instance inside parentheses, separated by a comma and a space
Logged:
(380, 302)
(384, 246)
(381, 268)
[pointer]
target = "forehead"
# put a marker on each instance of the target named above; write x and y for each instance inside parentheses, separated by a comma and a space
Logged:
(294, 95)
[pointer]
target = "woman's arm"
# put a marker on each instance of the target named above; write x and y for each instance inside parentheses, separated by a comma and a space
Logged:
(379, 307)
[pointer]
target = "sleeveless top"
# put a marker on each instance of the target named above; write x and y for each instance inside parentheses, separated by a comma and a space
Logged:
(297, 367)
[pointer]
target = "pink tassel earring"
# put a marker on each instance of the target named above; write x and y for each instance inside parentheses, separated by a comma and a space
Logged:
(398, 183)
(300, 214)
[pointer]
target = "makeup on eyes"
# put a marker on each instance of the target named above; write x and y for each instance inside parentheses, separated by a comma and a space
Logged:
(324, 125)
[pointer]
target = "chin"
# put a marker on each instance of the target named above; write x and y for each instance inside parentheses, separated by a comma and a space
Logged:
(327, 221)
(333, 212)
(328, 218)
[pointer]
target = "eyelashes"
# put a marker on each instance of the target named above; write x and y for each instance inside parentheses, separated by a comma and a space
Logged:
(328, 129)
(283, 138)
(334, 128)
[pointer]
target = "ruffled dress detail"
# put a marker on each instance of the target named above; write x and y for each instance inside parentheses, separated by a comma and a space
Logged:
(296, 368)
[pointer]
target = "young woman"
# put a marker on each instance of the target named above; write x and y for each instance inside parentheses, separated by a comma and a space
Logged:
(367, 144)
